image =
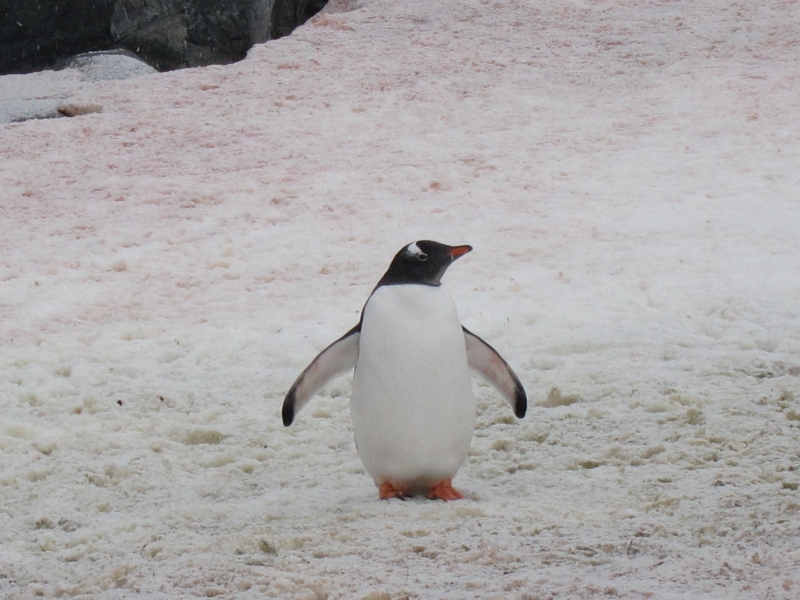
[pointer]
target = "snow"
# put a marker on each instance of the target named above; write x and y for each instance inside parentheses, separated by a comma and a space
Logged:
(46, 94)
(628, 174)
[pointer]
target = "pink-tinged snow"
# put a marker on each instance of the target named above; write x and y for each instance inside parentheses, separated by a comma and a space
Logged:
(629, 175)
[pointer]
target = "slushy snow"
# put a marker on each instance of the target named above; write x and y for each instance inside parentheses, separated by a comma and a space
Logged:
(628, 173)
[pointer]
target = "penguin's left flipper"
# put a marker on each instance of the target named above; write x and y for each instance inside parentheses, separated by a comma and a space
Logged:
(485, 360)
(335, 360)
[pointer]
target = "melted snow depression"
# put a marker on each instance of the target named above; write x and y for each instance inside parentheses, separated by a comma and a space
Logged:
(628, 173)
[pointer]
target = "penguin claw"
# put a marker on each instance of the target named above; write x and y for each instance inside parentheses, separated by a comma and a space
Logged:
(444, 490)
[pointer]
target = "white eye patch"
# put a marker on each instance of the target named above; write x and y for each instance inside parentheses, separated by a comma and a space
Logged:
(414, 250)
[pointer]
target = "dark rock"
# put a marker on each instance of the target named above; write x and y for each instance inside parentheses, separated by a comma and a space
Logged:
(171, 34)
(167, 34)
(288, 14)
(153, 30)
(35, 33)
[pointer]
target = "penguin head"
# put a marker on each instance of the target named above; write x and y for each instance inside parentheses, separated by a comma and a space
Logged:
(423, 262)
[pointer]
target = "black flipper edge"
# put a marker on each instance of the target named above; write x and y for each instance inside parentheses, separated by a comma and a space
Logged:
(485, 360)
(333, 361)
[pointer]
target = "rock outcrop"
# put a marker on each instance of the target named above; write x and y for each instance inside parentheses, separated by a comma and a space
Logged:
(167, 34)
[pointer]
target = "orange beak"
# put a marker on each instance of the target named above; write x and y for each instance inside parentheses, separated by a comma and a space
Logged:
(458, 251)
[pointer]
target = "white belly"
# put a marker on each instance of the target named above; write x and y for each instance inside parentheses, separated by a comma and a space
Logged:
(412, 406)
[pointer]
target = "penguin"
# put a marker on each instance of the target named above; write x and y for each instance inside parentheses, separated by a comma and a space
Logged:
(412, 404)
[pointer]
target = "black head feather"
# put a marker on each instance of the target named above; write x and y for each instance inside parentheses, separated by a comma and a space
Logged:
(423, 262)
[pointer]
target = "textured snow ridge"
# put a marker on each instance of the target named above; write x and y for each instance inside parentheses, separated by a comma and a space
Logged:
(628, 174)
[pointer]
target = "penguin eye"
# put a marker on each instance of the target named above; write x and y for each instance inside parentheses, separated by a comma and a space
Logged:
(422, 257)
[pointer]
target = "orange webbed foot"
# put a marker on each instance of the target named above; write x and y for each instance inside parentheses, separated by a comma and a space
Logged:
(444, 490)
(387, 491)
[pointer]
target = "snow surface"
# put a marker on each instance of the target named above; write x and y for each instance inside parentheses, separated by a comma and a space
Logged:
(629, 175)
(45, 95)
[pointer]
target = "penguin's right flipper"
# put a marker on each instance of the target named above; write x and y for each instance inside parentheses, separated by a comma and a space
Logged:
(486, 361)
(336, 359)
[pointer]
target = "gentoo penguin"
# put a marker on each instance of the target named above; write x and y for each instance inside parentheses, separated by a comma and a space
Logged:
(412, 404)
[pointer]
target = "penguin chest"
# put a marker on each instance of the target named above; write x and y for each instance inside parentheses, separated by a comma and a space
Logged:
(412, 405)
